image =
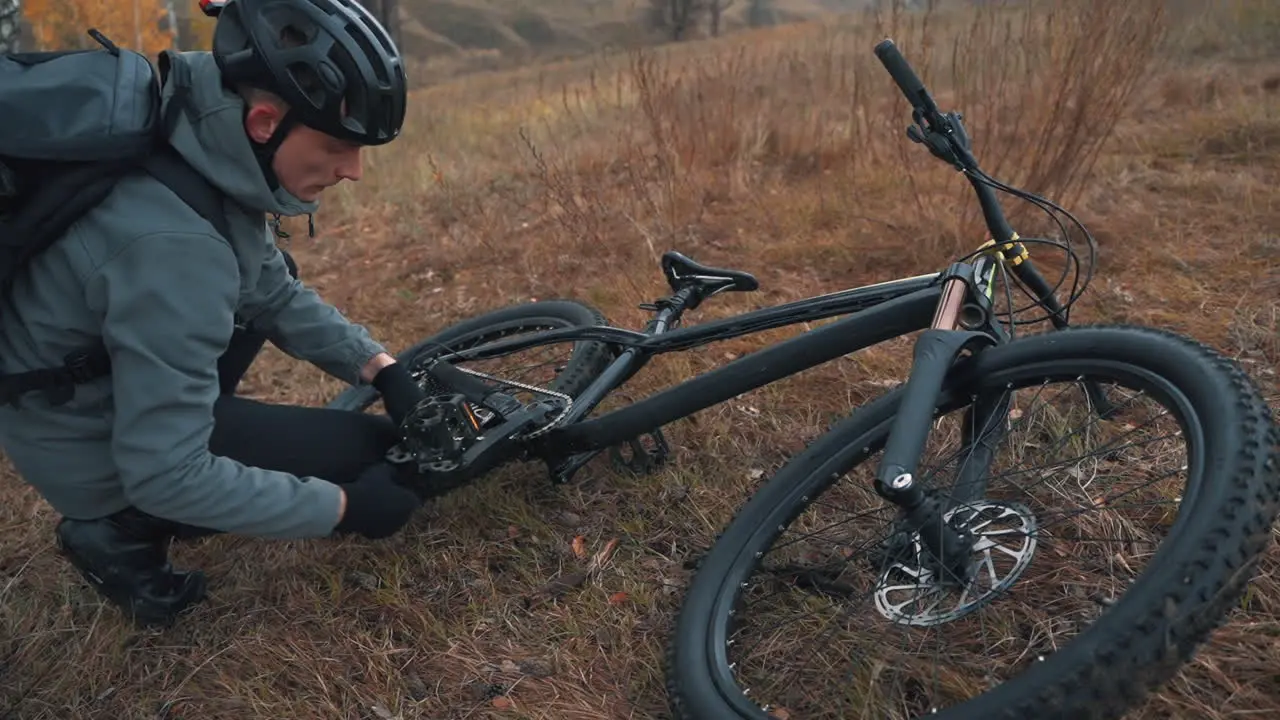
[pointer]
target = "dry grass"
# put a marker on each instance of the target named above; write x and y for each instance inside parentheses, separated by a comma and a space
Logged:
(780, 152)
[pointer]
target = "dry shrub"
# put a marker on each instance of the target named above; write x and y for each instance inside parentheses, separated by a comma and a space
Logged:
(1041, 86)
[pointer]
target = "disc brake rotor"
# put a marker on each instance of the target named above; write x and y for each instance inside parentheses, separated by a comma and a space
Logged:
(909, 592)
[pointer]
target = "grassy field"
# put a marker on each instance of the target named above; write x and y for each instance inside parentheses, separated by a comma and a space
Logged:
(780, 152)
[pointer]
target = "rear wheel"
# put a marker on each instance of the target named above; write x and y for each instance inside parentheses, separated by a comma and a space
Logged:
(1135, 534)
(567, 367)
(569, 370)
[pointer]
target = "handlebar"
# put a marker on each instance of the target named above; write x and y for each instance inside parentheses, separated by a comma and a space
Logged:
(943, 134)
(906, 78)
(946, 138)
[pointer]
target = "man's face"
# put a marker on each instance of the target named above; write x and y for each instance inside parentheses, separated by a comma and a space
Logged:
(307, 162)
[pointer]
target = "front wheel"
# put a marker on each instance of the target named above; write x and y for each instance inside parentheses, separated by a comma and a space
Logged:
(1103, 550)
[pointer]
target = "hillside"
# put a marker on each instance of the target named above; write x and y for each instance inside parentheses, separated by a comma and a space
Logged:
(443, 39)
(447, 37)
(780, 152)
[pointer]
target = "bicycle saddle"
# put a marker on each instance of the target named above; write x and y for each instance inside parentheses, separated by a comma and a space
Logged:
(682, 271)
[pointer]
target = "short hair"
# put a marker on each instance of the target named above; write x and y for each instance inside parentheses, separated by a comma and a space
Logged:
(255, 95)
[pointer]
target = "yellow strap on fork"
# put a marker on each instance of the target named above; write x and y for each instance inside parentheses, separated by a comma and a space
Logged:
(1013, 251)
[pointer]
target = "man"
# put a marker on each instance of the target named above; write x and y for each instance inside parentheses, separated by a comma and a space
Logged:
(161, 447)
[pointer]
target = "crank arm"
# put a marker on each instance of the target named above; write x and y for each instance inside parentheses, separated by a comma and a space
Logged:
(493, 447)
(496, 445)
(563, 470)
(643, 458)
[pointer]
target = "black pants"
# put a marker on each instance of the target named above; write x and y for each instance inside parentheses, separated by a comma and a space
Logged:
(334, 445)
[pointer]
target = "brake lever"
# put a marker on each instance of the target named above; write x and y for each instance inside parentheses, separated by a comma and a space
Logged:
(944, 135)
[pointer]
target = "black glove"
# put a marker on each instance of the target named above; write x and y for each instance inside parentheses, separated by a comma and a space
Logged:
(377, 507)
(400, 392)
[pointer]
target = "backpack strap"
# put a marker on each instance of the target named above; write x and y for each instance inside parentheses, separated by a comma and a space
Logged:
(77, 367)
(81, 366)
(170, 168)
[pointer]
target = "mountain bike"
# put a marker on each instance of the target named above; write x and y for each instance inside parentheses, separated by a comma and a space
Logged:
(932, 543)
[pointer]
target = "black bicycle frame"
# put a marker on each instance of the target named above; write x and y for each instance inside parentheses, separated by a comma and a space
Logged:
(875, 313)
(952, 309)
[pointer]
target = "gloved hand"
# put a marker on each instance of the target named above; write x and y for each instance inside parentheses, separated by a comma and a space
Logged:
(377, 507)
(400, 392)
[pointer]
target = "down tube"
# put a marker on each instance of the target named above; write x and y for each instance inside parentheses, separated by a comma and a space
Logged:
(864, 328)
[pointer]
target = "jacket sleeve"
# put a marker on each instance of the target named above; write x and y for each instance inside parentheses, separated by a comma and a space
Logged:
(167, 304)
(305, 327)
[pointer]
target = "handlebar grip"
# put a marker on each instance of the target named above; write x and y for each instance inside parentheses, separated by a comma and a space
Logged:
(901, 73)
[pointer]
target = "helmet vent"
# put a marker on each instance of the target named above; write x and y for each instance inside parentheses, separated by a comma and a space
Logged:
(305, 77)
(366, 47)
(291, 36)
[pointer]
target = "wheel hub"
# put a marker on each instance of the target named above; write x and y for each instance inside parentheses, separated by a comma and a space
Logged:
(910, 590)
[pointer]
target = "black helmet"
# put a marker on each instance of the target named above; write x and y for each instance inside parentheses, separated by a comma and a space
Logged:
(329, 60)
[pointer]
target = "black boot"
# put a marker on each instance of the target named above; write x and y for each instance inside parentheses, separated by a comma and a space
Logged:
(127, 564)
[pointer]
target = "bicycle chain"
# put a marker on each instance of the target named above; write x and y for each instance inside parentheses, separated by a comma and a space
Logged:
(531, 388)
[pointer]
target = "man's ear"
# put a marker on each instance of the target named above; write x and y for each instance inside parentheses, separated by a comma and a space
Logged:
(261, 121)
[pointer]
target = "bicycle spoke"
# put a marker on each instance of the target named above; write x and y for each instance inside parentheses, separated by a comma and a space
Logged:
(830, 545)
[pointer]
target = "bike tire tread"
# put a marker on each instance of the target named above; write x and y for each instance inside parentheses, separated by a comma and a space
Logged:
(1131, 665)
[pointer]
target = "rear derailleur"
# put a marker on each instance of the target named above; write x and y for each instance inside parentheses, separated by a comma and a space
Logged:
(465, 427)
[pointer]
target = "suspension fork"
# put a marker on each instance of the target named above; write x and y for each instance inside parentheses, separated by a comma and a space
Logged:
(984, 425)
(961, 325)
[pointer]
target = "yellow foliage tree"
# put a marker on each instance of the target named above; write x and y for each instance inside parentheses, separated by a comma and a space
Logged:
(197, 32)
(140, 25)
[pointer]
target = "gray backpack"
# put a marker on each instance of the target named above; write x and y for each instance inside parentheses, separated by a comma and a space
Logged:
(73, 123)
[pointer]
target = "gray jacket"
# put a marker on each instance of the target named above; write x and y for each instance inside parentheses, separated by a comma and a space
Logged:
(163, 289)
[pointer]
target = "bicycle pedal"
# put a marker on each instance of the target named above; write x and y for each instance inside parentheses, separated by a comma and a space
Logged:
(562, 471)
(647, 453)
(440, 429)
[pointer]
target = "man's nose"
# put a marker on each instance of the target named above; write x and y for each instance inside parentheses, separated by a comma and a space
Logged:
(352, 167)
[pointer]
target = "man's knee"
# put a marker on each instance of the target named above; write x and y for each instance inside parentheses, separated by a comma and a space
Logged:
(290, 263)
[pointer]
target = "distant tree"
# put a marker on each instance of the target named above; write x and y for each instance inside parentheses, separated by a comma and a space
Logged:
(141, 26)
(716, 8)
(10, 25)
(677, 16)
(760, 13)
(388, 13)
(193, 29)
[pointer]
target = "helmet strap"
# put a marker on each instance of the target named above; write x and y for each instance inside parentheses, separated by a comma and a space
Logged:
(266, 152)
